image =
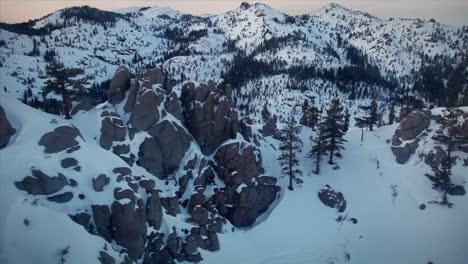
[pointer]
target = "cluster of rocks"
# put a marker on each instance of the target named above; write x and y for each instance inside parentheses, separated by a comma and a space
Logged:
(222, 183)
(332, 198)
(6, 130)
(406, 139)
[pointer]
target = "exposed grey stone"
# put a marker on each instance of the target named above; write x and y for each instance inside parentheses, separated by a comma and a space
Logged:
(118, 85)
(99, 182)
(61, 198)
(199, 215)
(102, 219)
(154, 76)
(105, 258)
(154, 210)
(132, 94)
(40, 183)
(332, 199)
(129, 227)
(171, 204)
(150, 158)
(173, 142)
(6, 130)
(124, 171)
(112, 129)
(237, 163)
(60, 139)
(145, 112)
(148, 184)
(81, 219)
(69, 162)
(120, 194)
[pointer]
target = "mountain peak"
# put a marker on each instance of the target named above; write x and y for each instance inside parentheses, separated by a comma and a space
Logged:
(245, 5)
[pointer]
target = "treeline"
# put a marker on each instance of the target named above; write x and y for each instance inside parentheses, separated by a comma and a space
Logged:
(81, 14)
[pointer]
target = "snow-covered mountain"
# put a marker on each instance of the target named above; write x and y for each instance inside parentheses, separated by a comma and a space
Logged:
(332, 47)
(168, 157)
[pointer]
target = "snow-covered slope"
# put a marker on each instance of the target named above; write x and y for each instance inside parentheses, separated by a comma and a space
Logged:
(201, 48)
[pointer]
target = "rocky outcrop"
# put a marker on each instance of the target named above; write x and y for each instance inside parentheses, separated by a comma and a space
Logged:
(409, 130)
(68, 162)
(62, 138)
(40, 183)
(154, 210)
(270, 128)
(150, 157)
(61, 198)
(129, 227)
(119, 85)
(154, 76)
(237, 165)
(112, 129)
(208, 115)
(6, 130)
(99, 182)
(146, 110)
(173, 142)
(332, 199)
(250, 203)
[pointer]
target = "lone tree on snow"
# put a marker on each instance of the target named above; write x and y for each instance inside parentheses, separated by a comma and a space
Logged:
(318, 148)
(290, 145)
(333, 130)
(448, 135)
(64, 82)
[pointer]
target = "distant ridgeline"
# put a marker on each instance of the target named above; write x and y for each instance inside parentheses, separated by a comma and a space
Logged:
(352, 54)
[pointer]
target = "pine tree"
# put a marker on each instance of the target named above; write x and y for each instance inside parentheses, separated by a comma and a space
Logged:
(318, 148)
(391, 115)
(347, 115)
(266, 115)
(305, 114)
(372, 115)
(314, 115)
(290, 145)
(62, 82)
(333, 130)
(449, 136)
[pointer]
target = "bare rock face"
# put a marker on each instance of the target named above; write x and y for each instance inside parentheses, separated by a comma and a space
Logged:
(154, 210)
(208, 115)
(61, 198)
(250, 203)
(332, 199)
(102, 219)
(146, 110)
(154, 76)
(237, 163)
(119, 85)
(6, 130)
(414, 124)
(112, 129)
(99, 182)
(410, 128)
(68, 162)
(132, 94)
(150, 157)
(62, 138)
(40, 183)
(173, 142)
(270, 128)
(129, 227)
(171, 204)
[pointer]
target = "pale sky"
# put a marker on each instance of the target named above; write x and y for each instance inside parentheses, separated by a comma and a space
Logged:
(453, 12)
